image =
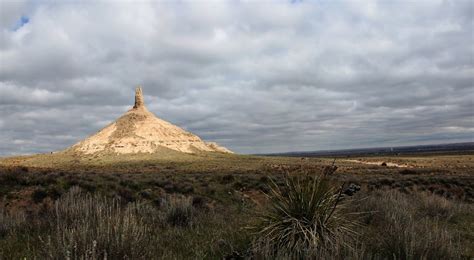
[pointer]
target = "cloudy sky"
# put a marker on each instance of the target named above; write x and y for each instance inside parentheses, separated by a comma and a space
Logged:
(254, 76)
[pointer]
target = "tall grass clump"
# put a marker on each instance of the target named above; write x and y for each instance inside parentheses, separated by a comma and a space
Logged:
(306, 217)
(95, 227)
(179, 212)
(401, 226)
(11, 222)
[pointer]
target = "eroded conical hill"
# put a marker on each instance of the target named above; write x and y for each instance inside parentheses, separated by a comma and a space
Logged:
(140, 131)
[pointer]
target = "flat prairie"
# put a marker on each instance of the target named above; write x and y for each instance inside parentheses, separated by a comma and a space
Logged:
(410, 206)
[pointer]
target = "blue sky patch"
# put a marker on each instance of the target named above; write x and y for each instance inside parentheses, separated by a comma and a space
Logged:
(21, 22)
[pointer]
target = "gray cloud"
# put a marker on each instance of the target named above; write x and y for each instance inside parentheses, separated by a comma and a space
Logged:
(253, 76)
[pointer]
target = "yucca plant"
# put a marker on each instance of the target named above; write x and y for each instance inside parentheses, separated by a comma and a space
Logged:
(304, 217)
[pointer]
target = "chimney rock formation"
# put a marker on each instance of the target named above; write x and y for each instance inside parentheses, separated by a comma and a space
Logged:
(140, 131)
(139, 98)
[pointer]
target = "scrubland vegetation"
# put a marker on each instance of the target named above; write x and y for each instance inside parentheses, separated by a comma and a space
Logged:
(269, 213)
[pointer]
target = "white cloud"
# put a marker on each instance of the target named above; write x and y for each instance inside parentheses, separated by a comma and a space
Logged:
(255, 76)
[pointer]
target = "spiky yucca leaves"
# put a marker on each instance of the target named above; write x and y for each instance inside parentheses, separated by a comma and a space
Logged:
(304, 217)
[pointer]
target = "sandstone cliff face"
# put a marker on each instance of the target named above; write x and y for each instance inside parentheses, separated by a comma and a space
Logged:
(140, 131)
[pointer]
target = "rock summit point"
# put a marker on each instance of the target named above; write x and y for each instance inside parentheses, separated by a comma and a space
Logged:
(139, 101)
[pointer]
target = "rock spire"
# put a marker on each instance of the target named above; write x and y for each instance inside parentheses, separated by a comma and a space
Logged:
(139, 101)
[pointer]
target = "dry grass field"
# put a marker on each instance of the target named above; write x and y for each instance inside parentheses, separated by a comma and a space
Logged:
(206, 206)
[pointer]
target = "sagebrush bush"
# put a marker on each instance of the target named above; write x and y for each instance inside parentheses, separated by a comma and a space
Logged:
(179, 212)
(38, 195)
(410, 227)
(304, 218)
(90, 226)
(10, 222)
(436, 206)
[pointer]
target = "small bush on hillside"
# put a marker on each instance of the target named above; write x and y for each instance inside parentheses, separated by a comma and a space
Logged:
(11, 222)
(228, 178)
(126, 194)
(407, 171)
(54, 192)
(11, 178)
(179, 212)
(38, 195)
(146, 194)
(199, 202)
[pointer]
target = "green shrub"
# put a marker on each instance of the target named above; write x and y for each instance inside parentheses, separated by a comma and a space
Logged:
(304, 218)
(38, 195)
(54, 192)
(228, 178)
(11, 222)
(146, 194)
(11, 178)
(126, 194)
(199, 202)
(407, 171)
(179, 212)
